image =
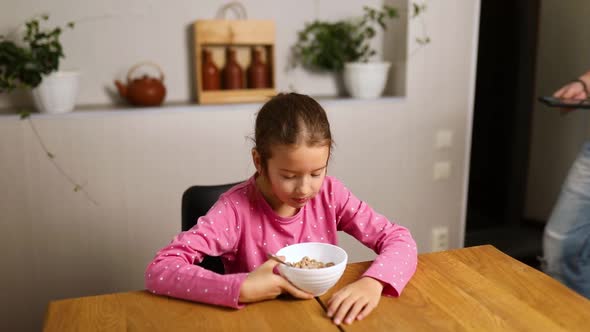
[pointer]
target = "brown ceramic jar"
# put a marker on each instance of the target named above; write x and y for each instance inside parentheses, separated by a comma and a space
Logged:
(232, 72)
(258, 77)
(211, 77)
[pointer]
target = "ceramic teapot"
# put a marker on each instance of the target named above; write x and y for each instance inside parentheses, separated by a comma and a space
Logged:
(144, 91)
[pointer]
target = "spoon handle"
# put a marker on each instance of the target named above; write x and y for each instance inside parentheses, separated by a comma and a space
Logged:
(275, 258)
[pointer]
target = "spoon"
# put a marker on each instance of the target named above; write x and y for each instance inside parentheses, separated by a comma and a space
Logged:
(276, 258)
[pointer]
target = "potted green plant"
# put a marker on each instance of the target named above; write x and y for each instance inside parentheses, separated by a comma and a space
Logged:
(344, 47)
(32, 61)
(327, 46)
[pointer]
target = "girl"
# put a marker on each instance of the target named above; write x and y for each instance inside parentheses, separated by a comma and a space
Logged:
(289, 199)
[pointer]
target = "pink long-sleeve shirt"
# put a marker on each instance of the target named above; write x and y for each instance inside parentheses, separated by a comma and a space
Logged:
(241, 227)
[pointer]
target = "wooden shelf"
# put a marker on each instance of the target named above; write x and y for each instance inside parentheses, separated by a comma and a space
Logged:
(235, 96)
(82, 111)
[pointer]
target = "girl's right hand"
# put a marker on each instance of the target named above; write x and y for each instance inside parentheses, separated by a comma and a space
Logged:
(262, 284)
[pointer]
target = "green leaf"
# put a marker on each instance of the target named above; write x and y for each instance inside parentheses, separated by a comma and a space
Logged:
(381, 23)
(24, 114)
(418, 9)
(391, 11)
(423, 41)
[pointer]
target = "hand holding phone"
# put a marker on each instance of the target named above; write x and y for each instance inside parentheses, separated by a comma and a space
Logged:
(565, 103)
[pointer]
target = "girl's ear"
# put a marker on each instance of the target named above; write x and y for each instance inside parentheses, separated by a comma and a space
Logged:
(256, 160)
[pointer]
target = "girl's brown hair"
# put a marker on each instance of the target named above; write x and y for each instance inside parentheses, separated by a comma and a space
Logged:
(290, 119)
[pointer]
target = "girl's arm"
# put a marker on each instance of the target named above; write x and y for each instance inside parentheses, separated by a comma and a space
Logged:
(397, 253)
(390, 272)
(172, 272)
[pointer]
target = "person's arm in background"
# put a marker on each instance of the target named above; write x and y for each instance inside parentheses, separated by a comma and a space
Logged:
(576, 89)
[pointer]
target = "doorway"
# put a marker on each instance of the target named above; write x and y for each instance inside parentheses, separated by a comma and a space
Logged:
(502, 119)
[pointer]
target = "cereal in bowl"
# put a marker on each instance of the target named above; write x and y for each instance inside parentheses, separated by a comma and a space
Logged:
(310, 263)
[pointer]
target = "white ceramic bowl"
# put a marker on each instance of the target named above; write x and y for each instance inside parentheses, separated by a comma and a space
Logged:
(314, 281)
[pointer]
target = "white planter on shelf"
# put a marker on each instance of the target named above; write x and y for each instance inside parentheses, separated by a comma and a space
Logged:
(57, 92)
(366, 80)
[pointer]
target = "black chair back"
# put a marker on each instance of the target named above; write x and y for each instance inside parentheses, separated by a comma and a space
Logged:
(196, 202)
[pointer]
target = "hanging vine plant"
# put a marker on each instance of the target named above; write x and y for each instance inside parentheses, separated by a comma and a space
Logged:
(77, 187)
(23, 65)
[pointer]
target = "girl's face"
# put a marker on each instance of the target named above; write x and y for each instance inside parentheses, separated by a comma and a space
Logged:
(294, 175)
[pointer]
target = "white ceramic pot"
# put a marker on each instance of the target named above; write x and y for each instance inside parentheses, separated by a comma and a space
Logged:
(57, 92)
(366, 80)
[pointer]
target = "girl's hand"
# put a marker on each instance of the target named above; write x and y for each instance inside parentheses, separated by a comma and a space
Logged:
(262, 284)
(355, 301)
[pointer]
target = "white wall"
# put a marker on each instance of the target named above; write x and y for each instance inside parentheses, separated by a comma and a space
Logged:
(563, 54)
(136, 163)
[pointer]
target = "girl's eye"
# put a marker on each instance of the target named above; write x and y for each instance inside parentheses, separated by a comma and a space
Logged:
(288, 177)
(316, 175)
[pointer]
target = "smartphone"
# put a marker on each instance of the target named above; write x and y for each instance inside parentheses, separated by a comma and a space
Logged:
(565, 103)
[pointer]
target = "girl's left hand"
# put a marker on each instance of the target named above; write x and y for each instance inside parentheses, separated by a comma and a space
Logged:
(355, 301)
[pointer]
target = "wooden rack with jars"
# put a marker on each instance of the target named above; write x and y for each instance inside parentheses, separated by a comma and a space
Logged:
(234, 60)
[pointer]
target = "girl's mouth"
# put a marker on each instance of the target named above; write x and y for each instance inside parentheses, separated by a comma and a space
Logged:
(300, 200)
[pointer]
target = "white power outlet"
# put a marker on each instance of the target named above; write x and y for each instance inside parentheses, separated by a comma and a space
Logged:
(443, 139)
(440, 238)
(441, 170)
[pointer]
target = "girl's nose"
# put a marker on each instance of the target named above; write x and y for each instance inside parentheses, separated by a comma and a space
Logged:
(304, 186)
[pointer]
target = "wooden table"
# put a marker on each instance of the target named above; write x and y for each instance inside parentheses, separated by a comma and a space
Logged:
(143, 311)
(474, 289)
(471, 289)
